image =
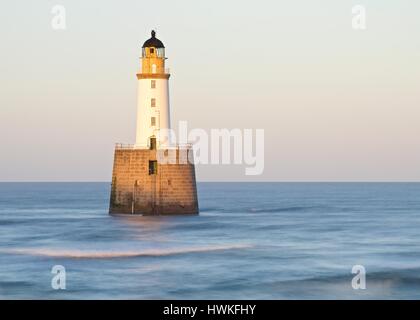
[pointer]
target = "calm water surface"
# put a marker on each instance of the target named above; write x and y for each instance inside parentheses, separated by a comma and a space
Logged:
(250, 241)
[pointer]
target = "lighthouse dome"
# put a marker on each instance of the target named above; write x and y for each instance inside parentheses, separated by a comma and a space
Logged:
(153, 42)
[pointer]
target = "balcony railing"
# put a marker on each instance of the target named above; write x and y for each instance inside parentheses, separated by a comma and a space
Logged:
(124, 146)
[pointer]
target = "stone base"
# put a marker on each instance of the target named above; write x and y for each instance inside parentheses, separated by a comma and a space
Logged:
(138, 188)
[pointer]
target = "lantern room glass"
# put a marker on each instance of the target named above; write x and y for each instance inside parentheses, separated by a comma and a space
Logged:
(160, 52)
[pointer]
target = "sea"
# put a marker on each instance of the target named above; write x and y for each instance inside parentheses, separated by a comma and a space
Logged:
(250, 241)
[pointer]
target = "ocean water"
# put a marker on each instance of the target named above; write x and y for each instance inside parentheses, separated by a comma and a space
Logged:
(250, 241)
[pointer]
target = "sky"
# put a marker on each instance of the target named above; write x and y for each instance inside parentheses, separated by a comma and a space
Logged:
(336, 104)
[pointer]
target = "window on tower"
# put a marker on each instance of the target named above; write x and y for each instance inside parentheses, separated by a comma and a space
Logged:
(153, 102)
(153, 121)
(152, 143)
(153, 84)
(152, 50)
(153, 166)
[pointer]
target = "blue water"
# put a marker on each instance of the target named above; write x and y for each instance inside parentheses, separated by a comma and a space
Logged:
(250, 241)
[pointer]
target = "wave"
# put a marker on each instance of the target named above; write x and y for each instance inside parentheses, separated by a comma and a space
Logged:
(98, 254)
(282, 209)
(392, 277)
(399, 283)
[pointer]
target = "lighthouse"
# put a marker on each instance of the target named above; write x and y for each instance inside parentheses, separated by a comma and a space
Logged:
(143, 184)
(153, 114)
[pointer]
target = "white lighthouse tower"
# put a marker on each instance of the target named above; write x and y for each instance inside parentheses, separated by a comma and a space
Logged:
(141, 182)
(153, 114)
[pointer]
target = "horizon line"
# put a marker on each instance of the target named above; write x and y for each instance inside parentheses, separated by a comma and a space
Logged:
(230, 181)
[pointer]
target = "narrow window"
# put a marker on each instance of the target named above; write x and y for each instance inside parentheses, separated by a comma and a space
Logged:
(152, 143)
(152, 50)
(153, 102)
(153, 84)
(152, 166)
(152, 121)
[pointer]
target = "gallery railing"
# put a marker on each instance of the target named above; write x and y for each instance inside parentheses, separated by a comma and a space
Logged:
(125, 146)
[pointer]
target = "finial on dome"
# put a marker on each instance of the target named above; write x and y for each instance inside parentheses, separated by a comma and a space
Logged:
(153, 42)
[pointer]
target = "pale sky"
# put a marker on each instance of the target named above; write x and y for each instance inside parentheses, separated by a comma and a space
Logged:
(336, 104)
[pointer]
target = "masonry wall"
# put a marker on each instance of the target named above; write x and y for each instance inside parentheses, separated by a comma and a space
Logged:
(172, 190)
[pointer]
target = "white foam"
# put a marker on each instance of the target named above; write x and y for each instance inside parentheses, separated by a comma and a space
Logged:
(100, 254)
